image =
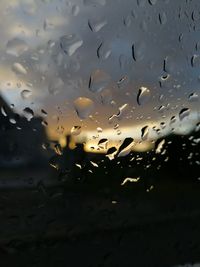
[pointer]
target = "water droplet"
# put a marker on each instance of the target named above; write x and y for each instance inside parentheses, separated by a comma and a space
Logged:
(130, 180)
(98, 81)
(163, 18)
(12, 120)
(28, 113)
(70, 43)
(193, 97)
(123, 82)
(96, 25)
(75, 10)
(127, 21)
(195, 61)
(44, 113)
(160, 146)
(138, 51)
(126, 147)
(3, 111)
(26, 94)
(112, 151)
(152, 2)
(76, 130)
(103, 51)
(94, 164)
(58, 149)
(143, 95)
(140, 3)
(83, 106)
(185, 112)
(144, 132)
(16, 47)
(99, 130)
(48, 25)
(18, 68)
(94, 2)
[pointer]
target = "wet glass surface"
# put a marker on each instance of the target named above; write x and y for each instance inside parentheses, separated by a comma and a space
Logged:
(99, 127)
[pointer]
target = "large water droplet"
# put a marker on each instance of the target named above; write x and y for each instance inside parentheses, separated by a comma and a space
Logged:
(96, 25)
(70, 43)
(126, 147)
(160, 146)
(83, 107)
(16, 47)
(143, 95)
(144, 132)
(28, 113)
(193, 97)
(185, 112)
(98, 81)
(19, 68)
(103, 51)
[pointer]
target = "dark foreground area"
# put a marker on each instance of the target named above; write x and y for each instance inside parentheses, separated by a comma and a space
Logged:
(51, 217)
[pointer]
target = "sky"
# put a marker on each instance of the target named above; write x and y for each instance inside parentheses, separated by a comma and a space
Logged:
(54, 52)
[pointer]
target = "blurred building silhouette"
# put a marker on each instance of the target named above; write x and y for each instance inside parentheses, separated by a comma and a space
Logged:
(20, 140)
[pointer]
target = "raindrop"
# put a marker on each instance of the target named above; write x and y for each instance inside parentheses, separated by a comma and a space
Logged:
(144, 132)
(152, 2)
(143, 95)
(96, 25)
(112, 151)
(28, 112)
(103, 51)
(127, 21)
(173, 119)
(123, 82)
(76, 130)
(18, 68)
(75, 10)
(70, 43)
(12, 120)
(3, 111)
(99, 130)
(94, 164)
(126, 147)
(140, 3)
(130, 180)
(195, 61)
(193, 97)
(185, 112)
(83, 107)
(58, 149)
(98, 81)
(103, 141)
(44, 112)
(138, 51)
(16, 47)
(160, 146)
(163, 18)
(94, 2)
(26, 94)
